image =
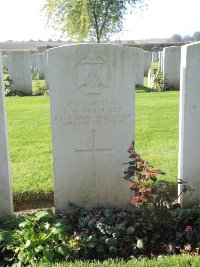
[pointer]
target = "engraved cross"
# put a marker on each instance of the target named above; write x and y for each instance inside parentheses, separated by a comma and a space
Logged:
(94, 150)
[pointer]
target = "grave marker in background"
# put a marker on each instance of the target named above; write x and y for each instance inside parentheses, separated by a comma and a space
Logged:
(92, 114)
(6, 202)
(41, 65)
(138, 55)
(5, 61)
(171, 65)
(147, 62)
(19, 68)
(46, 70)
(155, 56)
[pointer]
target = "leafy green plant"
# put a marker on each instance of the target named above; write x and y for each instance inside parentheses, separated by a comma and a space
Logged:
(41, 89)
(39, 238)
(189, 223)
(160, 83)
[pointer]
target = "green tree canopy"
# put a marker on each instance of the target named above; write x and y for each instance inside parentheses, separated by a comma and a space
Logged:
(80, 19)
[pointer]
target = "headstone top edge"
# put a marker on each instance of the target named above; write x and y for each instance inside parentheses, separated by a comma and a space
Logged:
(73, 46)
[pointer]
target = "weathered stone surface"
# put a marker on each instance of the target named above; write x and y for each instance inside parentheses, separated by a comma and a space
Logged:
(155, 56)
(19, 67)
(189, 126)
(46, 70)
(138, 55)
(160, 64)
(92, 114)
(5, 61)
(41, 65)
(147, 62)
(171, 65)
(34, 64)
(6, 206)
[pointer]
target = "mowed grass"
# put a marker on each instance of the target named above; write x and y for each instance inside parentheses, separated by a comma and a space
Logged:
(175, 261)
(157, 130)
(31, 148)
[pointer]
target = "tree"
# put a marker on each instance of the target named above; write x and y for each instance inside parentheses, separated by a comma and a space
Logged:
(196, 36)
(176, 38)
(187, 38)
(80, 19)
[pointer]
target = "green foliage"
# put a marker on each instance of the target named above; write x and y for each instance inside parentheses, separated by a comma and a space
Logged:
(160, 82)
(153, 196)
(41, 89)
(97, 234)
(38, 238)
(143, 181)
(82, 18)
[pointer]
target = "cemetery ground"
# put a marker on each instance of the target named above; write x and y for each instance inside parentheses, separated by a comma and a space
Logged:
(121, 233)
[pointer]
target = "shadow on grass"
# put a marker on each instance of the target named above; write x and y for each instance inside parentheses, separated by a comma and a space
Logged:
(33, 200)
(143, 89)
(38, 200)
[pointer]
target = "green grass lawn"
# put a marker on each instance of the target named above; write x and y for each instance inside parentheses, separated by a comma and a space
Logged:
(157, 130)
(31, 149)
(173, 261)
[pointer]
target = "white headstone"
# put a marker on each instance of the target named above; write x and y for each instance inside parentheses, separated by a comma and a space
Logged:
(147, 62)
(139, 57)
(19, 68)
(5, 62)
(189, 125)
(34, 67)
(6, 206)
(150, 79)
(41, 66)
(92, 114)
(46, 70)
(154, 56)
(160, 64)
(34, 61)
(171, 65)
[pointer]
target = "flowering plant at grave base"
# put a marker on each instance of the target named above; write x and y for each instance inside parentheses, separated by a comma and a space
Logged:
(143, 181)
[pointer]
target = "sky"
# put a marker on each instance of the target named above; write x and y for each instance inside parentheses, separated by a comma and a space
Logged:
(22, 20)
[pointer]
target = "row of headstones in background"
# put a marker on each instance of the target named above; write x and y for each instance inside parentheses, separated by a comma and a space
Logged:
(20, 64)
(6, 206)
(149, 57)
(39, 65)
(169, 65)
(19, 68)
